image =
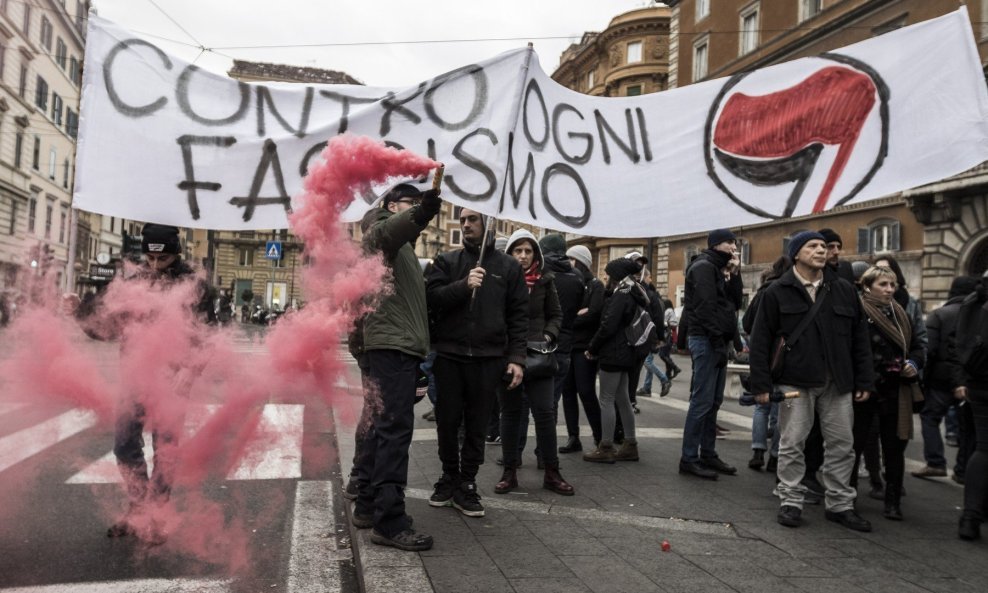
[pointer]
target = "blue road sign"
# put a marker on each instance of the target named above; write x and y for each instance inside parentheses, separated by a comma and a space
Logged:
(272, 250)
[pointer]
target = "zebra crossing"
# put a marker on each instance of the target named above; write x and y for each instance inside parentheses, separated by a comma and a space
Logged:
(273, 453)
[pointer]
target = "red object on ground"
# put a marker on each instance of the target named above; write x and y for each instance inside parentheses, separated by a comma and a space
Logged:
(665, 545)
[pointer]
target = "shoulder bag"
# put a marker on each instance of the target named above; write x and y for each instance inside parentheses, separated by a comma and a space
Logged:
(784, 344)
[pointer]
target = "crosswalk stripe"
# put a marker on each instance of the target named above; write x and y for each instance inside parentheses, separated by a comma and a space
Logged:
(28, 442)
(280, 434)
(314, 565)
(274, 453)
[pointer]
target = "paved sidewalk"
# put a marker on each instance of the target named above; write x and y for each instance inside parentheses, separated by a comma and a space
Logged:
(608, 537)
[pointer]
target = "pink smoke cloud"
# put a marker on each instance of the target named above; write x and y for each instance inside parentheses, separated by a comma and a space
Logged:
(174, 365)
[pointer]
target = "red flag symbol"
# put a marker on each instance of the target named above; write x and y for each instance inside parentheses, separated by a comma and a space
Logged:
(777, 138)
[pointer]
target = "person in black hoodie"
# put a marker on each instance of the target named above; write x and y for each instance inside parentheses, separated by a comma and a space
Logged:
(569, 288)
(938, 378)
(711, 302)
(581, 380)
(616, 358)
(479, 313)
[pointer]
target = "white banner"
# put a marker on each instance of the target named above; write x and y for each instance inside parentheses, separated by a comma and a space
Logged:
(161, 140)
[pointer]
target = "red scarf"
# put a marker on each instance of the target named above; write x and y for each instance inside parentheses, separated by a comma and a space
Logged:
(532, 275)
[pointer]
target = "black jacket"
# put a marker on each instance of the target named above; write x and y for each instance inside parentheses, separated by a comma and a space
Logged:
(609, 344)
(585, 326)
(710, 302)
(941, 330)
(655, 310)
(971, 352)
(570, 289)
(497, 324)
(835, 343)
(544, 313)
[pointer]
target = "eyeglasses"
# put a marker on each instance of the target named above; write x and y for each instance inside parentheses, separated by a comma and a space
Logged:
(412, 201)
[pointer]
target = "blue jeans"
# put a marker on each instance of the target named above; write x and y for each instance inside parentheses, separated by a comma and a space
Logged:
(651, 369)
(426, 367)
(765, 421)
(934, 409)
(706, 396)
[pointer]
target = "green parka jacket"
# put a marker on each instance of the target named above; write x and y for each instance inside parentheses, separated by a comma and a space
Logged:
(401, 320)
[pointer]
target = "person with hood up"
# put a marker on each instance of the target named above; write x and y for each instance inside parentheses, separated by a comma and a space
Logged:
(569, 287)
(544, 320)
(479, 309)
(616, 359)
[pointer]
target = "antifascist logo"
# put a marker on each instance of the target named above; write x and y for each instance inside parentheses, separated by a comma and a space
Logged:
(772, 138)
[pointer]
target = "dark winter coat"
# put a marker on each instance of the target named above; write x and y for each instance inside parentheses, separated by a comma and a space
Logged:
(570, 289)
(609, 344)
(497, 324)
(710, 302)
(655, 310)
(887, 356)
(586, 325)
(400, 321)
(835, 344)
(971, 354)
(941, 330)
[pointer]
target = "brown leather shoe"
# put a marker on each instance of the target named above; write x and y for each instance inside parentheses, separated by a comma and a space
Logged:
(604, 453)
(627, 452)
(554, 481)
(509, 481)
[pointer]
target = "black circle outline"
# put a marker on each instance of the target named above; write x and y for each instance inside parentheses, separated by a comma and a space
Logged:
(883, 94)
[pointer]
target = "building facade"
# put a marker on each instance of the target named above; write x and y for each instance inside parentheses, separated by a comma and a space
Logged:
(41, 50)
(935, 231)
(630, 57)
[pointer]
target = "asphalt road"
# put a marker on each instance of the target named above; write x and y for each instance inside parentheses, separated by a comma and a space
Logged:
(59, 490)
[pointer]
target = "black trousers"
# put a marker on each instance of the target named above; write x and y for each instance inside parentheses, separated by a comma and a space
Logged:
(976, 476)
(535, 395)
(581, 382)
(383, 451)
(128, 447)
(884, 405)
(466, 392)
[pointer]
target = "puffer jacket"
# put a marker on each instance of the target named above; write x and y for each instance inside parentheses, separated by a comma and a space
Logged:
(570, 288)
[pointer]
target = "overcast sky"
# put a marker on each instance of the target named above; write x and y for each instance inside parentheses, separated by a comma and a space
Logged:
(378, 23)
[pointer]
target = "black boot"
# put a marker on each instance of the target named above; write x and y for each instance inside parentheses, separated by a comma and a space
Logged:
(757, 459)
(970, 527)
(573, 445)
(893, 498)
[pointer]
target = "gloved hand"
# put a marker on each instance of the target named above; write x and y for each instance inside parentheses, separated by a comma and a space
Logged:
(428, 207)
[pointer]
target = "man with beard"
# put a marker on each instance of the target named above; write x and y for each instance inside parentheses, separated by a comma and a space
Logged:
(479, 308)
